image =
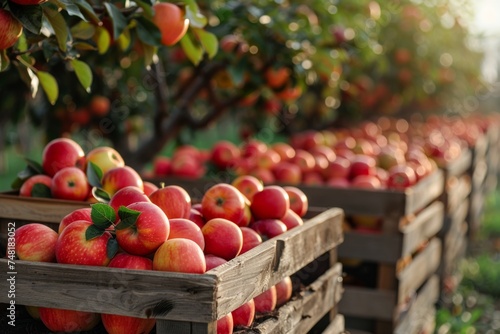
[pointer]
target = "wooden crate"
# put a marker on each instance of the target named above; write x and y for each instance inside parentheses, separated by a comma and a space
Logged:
(189, 303)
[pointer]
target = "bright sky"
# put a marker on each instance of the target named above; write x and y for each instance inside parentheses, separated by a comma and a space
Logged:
(487, 16)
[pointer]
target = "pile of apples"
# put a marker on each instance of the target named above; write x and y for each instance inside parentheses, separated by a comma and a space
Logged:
(386, 154)
(165, 231)
(66, 172)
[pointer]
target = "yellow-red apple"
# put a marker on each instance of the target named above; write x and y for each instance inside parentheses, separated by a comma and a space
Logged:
(78, 214)
(269, 228)
(180, 255)
(129, 261)
(266, 301)
(184, 228)
(223, 238)
(248, 185)
(213, 261)
(284, 290)
(170, 20)
(105, 158)
(271, 202)
(68, 321)
(70, 183)
(298, 200)
(223, 201)
(36, 242)
(251, 239)
(244, 315)
(173, 200)
(10, 29)
(121, 324)
(26, 189)
(120, 177)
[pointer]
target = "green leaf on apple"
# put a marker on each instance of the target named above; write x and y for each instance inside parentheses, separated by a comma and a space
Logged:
(100, 194)
(87, 11)
(70, 7)
(30, 16)
(193, 52)
(49, 85)
(193, 13)
(34, 165)
(93, 232)
(59, 26)
(208, 41)
(94, 174)
(128, 217)
(102, 215)
(41, 190)
(112, 247)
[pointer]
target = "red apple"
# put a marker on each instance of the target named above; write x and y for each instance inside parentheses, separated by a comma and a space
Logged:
(224, 154)
(291, 220)
(248, 185)
(223, 201)
(324, 151)
(68, 321)
(245, 314)
(269, 228)
(253, 148)
(223, 238)
(169, 18)
(367, 182)
(277, 77)
(225, 324)
(187, 166)
(263, 174)
(268, 159)
(78, 214)
(36, 242)
(312, 178)
(298, 200)
(121, 177)
(129, 261)
(10, 29)
(105, 158)
(126, 196)
(121, 324)
(284, 290)
(149, 188)
(401, 177)
(60, 153)
(285, 151)
(304, 160)
(70, 183)
(184, 228)
(143, 234)
(196, 217)
(213, 261)
(173, 200)
(161, 166)
(287, 172)
(266, 301)
(180, 255)
(338, 168)
(72, 247)
(362, 165)
(251, 239)
(338, 182)
(271, 202)
(247, 216)
(40, 179)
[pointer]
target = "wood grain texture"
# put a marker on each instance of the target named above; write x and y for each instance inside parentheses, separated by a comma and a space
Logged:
(423, 266)
(368, 303)
(174, 296)
(459, 166)
(252, 273)
(337, 326)
(36, 209)
(416, 317)
(110, 290)
(300, 315)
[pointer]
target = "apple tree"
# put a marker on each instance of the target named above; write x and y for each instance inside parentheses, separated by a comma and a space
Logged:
(100, 71)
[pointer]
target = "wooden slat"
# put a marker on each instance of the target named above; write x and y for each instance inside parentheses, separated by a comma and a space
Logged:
(36, 209)
(419, 270)
(251, 274)
(377, 247)
(424, 192)
(183, 327)
(417, 314)
(453, 220)
(391, 247)
(459, 166)
(110, 290)
(459, 193)
(426, 225)
(337, 326)
(479, 149)
(300, 315)
(368, 303)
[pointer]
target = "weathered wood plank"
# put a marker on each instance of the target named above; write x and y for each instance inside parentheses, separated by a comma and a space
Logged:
(378, 247)
(183, 327)
(459, 166)
(424, 192)
(426, 225)
(300, 315)
(250, 274)
(36, 209)
(110, 290)
(419, 270)
(417, 315)
(337, 326)
(368, 303)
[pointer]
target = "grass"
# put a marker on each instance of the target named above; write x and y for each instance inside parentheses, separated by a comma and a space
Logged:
(474, 307)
